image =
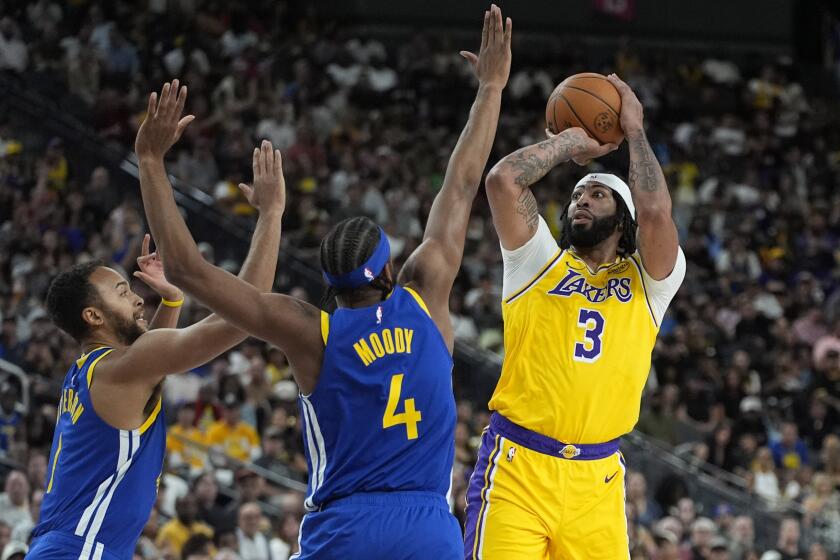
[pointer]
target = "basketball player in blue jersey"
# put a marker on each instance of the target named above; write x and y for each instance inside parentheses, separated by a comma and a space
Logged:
(375, 375)
(110, 439)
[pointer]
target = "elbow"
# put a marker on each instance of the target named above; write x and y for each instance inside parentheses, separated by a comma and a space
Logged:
(183, 272)
(656, 213)
(497, 180)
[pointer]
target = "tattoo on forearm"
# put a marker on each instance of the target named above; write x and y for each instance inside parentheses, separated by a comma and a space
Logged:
(526, 206)
(533, 162)
(645, 174)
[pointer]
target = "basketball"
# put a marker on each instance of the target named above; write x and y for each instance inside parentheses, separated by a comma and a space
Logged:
(588, 101)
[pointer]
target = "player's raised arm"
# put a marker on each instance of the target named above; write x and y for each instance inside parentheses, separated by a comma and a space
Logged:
(513, 205)
(433, 266)
(657, 237)
(284, 321)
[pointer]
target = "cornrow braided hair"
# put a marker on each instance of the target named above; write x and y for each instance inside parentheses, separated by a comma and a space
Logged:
(345, 248)
(627, 241)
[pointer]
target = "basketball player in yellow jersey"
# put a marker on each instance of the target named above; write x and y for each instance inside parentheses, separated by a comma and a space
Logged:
(581, 319)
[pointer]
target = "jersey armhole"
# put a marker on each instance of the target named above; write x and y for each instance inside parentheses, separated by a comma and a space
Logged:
(152, 417)
(418, 299)
(325, 326)
(93, 365)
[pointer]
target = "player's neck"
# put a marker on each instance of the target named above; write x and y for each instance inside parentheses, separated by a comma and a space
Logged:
(99, 341)
(365, 297)
(601, 254)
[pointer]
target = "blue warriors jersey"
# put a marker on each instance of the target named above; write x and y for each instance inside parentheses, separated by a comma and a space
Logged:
(382, 417)
(101, 482)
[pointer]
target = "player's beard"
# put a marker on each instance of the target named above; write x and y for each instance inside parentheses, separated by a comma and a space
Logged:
(584, 236)
(127, 330)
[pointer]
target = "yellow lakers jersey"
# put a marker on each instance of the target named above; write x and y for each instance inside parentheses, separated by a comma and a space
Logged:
(577, 350)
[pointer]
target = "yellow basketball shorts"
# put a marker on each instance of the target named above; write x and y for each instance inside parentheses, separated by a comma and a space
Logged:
(532, 497)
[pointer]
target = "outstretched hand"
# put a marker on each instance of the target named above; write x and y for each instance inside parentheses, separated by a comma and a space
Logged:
(492, 64)
(151, 273)
(269, 189)
(163, 125)
(584, 148)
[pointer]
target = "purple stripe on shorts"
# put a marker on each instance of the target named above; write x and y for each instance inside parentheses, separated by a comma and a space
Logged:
(479, 483)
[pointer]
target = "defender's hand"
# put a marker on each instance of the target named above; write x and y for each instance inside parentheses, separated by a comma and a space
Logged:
(492, 65)
(632, 112)
(163, 124)
(269, 190)
(151, 273)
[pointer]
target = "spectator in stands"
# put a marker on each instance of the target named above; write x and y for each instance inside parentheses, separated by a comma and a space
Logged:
(789, 546)
(206, 492)
(10, 418)
(274, 457)
(822, 513)
(741, 537)
(14, 501)
(231, 435)
(703, 533)
(197, 547)
(250, 487)
(252, 542)
(790, 452)
(179, 438)
(175, 532)
(285, 540)
(765, 483)
(22, 531)
(5, 534)
(15, 550)
(36, 469)
(647, 510)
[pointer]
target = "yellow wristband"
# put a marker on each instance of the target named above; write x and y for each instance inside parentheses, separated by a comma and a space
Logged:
(168, 303)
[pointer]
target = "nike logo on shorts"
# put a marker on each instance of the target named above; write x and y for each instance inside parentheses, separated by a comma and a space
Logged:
(607, 479)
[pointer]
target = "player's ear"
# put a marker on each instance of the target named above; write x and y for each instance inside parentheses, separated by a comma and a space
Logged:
(93, 316)
(388, 273)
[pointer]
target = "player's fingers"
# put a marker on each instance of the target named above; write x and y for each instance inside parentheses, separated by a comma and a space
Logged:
(163, 104)
(173, 98)
(255, 163)
(266, 158)
(181, 101)
(498, 32)
(485, 30)
(619, 84)
(143, 276)
(144, 250)
(508, 30)
(549, 133)
(152, 108)
(246, 190)
(278, 163)
(473, 59)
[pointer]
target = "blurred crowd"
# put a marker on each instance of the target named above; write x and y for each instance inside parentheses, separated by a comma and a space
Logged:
(746, 373)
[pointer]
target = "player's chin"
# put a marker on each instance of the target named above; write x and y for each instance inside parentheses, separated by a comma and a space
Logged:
(142, 324)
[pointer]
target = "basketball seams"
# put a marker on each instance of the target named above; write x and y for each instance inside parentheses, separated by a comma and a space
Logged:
(596, 96)
(583, 124)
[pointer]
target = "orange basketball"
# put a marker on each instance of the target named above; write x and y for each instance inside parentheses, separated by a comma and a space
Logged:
(588, 101)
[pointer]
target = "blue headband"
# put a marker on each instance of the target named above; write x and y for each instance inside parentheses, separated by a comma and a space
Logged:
(369, 270)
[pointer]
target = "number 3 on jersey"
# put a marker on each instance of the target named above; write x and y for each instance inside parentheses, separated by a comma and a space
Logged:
(410, 417)
(590, 349)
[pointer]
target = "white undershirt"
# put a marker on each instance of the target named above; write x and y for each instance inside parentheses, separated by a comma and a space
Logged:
(522, 264)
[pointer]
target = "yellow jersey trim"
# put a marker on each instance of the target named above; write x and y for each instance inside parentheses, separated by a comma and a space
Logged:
(325, 326)
(536, 277)
(605, 265)
(93, 365)
(83, 358)
(418, 299)
(55, 462)
(151, 419)
(644, 289)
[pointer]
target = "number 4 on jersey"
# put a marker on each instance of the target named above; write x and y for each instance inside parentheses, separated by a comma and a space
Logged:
(410, 417)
